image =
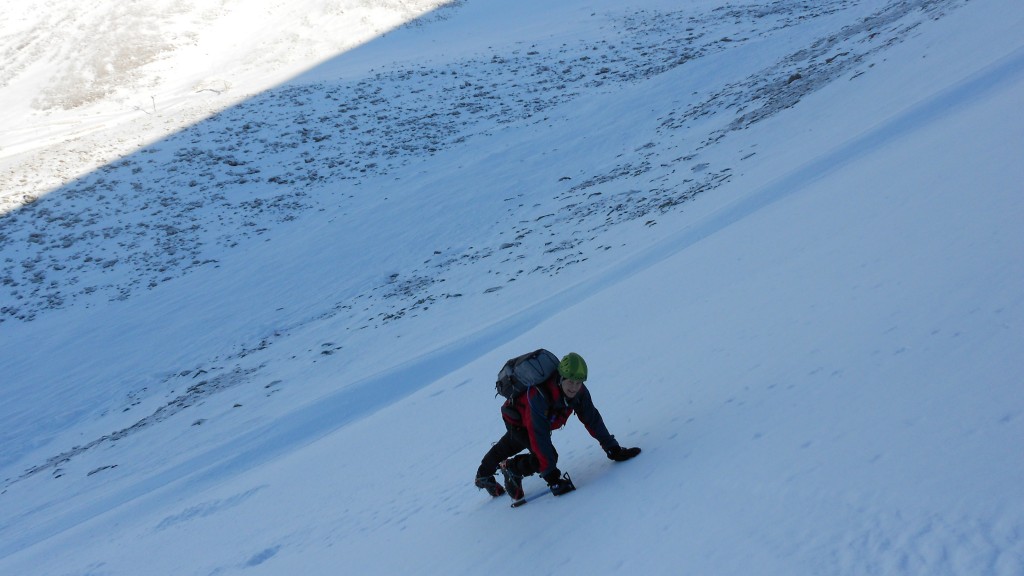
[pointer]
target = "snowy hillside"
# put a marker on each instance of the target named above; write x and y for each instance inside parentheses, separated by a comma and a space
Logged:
(261, 261)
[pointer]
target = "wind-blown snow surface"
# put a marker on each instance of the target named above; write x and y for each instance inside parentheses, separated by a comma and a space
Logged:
(785, 236)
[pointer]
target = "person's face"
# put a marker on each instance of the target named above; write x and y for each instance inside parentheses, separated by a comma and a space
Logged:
(571, 387)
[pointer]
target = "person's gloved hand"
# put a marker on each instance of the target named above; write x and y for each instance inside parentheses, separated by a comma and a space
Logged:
(620, 454)
(557, 483)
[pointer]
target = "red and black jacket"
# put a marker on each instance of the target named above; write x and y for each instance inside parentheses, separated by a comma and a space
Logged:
(544, 408)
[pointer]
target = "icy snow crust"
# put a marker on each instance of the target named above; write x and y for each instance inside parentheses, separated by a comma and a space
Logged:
(255, 315)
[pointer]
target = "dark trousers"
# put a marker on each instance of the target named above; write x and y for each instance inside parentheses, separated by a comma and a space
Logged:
(514, 441)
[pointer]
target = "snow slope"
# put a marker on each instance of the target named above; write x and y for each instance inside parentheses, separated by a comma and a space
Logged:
(785, 237)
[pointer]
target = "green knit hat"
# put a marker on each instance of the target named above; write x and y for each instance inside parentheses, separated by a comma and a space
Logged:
(572, 367)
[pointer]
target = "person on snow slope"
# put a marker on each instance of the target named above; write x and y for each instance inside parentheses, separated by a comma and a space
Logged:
(529, 420)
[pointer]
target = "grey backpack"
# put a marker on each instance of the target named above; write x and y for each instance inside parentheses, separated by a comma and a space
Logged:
(525, 371)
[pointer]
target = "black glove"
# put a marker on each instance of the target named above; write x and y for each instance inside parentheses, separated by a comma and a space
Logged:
(620, 454)
(559, 484)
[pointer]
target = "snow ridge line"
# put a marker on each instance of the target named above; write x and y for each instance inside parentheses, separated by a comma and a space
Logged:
(998, 75)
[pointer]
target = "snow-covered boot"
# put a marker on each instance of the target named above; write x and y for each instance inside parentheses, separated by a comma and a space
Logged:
(513, 480)
(491, 485)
